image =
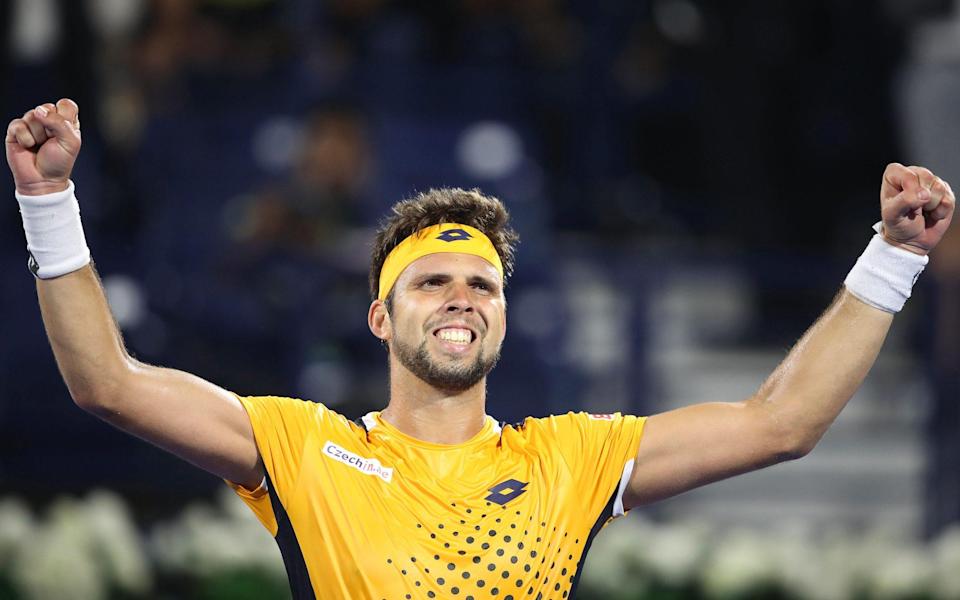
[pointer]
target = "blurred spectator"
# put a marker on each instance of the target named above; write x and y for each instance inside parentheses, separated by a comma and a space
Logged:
(297, 250)
(313, 212)
(187, 45)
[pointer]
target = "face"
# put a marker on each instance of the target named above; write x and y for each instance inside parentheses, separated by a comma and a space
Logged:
(448, 320)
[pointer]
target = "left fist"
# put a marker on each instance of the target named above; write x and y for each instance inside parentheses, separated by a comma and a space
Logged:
(916, 207)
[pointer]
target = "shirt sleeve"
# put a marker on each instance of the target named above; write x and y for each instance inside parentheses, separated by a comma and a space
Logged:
(281, 427)
(599, 452)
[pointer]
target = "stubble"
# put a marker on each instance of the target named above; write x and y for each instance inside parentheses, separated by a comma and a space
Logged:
(452, 377)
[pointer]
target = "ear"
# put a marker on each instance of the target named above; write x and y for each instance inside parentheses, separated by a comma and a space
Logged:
(378, 320)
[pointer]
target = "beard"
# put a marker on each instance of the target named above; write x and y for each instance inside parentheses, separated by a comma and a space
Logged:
(451, 377)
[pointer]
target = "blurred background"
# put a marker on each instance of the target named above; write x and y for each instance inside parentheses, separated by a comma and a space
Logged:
(691, 182)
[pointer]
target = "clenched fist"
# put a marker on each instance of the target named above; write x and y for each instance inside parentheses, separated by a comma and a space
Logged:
(916, 207)
(42, 147)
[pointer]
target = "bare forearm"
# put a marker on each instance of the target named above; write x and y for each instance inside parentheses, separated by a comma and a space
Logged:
(182, 413)
(83, 335)
(824, 369)
(695, 445)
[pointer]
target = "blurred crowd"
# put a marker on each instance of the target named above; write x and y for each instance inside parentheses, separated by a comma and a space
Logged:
(238, 153)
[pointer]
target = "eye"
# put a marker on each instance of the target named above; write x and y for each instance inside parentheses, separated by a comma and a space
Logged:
(483, 287)
(432, 282)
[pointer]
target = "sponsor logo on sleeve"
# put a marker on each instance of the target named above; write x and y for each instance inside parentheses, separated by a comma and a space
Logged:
(367, 466)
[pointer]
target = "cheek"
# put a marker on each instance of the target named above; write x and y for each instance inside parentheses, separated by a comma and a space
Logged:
(500, 321)
(408, 325)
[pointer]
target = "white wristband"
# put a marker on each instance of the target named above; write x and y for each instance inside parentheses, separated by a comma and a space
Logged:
(884, 274)
(55, 237)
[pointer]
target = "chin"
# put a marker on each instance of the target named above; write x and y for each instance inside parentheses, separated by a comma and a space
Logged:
(457, 373)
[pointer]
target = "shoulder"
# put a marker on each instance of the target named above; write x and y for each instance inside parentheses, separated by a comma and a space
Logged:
(558, 424)
(281, 404)
(575, 432)
(291, 411)
(567, 418)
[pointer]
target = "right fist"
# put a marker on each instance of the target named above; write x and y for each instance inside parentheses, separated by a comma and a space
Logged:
(42, 147)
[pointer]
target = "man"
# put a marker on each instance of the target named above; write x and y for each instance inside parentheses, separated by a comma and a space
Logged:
(431, 497)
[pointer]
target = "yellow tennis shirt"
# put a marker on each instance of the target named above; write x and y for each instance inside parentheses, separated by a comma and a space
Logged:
(361, 510)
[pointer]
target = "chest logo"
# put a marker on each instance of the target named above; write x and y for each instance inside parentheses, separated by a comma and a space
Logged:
(367, 466)
(506, 491)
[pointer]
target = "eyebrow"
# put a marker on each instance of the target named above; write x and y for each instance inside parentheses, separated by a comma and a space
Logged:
(445, 277)
(428, 276)
(484, 280)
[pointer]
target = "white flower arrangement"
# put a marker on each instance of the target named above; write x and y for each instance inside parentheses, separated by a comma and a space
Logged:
(697, 560)
(88, 549)
(83, 550)
(946, 558)
(746, 562)
(206, 540)
(16, 526)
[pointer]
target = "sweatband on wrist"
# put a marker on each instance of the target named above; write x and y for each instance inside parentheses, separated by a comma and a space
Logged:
(55, 237)
(884, 274)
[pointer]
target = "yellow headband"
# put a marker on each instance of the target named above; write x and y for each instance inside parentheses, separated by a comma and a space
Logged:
(445, 237)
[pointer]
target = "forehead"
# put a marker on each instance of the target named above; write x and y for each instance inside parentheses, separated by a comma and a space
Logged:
(451, 263)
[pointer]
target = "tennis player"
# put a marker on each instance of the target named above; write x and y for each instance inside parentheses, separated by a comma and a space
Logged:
(431, 497)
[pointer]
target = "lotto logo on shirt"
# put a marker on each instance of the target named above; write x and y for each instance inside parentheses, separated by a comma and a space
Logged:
(367, 466)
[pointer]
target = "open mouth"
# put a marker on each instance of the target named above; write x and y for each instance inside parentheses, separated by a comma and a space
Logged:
(460, 336)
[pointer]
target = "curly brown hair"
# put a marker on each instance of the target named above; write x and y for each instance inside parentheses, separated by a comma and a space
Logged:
(444, 205)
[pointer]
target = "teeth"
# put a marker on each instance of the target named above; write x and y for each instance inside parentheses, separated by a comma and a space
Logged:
(457, 336)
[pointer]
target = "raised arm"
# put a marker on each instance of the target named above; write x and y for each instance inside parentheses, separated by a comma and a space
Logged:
(192, 418)
(692, 446)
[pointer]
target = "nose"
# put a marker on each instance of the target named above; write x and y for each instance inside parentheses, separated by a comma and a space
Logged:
(458, 299)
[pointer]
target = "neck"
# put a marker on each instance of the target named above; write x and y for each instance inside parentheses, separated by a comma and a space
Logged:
(431, 414)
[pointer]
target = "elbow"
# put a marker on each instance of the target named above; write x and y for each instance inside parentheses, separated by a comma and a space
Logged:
(100, 397)
(796, 445)
(785, 439)
(794, 452)
(97, 402)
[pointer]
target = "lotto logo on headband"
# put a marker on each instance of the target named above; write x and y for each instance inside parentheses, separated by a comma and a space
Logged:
(454, 235)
